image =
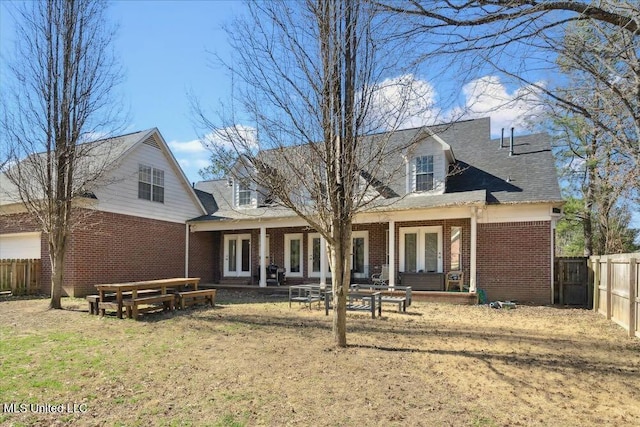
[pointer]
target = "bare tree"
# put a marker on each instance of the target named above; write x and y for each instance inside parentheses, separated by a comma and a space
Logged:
(598, 163)
(64, 76)
(524, 38)
(308, 75)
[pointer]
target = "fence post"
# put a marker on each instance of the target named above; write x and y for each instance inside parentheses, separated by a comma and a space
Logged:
(595, 266)
(632, 297)
(561, 282)
(609, 280)
(13, 274)
(27, 277)
(589, 283)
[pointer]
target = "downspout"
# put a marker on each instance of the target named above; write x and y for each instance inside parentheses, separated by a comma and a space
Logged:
(392, 253)
(552, 239)
(186, 250)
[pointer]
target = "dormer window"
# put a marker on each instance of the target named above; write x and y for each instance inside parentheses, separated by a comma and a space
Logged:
(244, 193)
(424, 173)
(150, 183)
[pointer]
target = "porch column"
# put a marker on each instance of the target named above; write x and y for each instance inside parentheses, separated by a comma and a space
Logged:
(392, 253)
(323, 261)
(474, 243)
(263, 257)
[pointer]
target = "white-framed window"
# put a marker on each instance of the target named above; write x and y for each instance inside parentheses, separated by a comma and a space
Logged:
(244, 193)
(293, 255)
(421, 249)
(150, 183)
(424, 177)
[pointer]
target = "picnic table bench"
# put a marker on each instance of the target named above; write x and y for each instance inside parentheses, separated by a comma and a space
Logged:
(400, 295)
(358, 301)
(93, 300)
(193, 297)
(164, 301)
(137, 291)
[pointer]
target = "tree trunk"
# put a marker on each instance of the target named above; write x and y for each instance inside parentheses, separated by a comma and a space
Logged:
(57, 276)
(589, 196)
(341, 279)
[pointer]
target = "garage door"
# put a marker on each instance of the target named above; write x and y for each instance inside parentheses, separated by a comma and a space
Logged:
(20, 246)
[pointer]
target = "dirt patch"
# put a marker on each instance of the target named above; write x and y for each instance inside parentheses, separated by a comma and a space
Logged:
(254, 361)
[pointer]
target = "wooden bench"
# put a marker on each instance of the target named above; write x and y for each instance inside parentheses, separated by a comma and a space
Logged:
(194, 297)
(400, 295)
(94, 300)
(356, 301)
(165, 301)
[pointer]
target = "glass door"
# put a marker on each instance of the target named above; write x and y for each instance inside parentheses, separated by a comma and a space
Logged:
(360, 251)
(237, 255)
(293, 260)
(431, 252)
(421, 249)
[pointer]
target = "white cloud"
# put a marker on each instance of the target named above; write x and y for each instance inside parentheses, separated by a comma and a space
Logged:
(238, 137)
(403, 102)
(193, 163)
(488, 96)
(407, 101)
(192, 147)
(196, 154)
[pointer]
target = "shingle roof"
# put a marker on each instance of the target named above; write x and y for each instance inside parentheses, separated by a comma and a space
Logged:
(98, 154)
(484, 173)
(529, 175)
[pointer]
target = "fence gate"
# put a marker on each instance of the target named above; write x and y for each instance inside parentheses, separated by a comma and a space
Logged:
(572, 281)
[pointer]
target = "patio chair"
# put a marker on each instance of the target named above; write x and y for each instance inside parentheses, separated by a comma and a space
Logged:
(381, 278)
(455, 279)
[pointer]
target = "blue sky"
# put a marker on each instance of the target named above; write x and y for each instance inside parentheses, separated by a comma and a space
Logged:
(162, 47)
(165, 49)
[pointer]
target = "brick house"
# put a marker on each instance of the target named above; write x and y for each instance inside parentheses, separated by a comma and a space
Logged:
(494, 219)
(132, 226)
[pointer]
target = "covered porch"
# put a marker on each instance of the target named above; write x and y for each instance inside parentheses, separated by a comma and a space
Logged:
(417, 248)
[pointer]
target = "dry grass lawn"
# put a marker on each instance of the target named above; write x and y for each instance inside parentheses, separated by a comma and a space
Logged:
(254, 361)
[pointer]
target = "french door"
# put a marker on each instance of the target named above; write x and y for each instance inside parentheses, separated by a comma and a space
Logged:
(314, 248)
(360, 254)
(421, 249)
(237, 255)
(293, 255)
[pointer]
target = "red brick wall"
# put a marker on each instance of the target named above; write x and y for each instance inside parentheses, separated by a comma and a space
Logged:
(446, 242)
(113, 248)
(514, 261)
(513, 258)
(203, 255)
(377, 245)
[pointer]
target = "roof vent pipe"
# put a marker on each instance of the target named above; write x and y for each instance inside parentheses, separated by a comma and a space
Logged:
(511, 144)
(502, 139)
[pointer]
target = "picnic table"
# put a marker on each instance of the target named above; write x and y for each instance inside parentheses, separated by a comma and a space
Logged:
(307, 293)
(133, 288)
(359, 300)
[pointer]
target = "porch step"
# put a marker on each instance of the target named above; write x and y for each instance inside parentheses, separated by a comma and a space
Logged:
(235, 281)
